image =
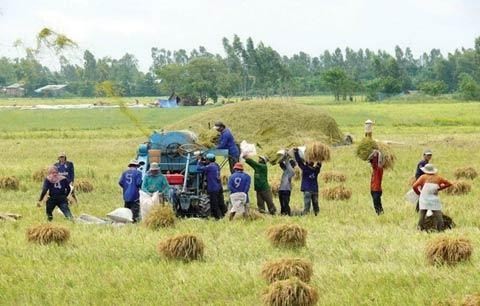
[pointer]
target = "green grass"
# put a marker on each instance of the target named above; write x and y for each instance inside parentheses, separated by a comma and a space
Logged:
(359, 258)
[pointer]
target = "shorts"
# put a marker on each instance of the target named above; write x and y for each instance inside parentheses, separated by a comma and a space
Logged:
(239, 202)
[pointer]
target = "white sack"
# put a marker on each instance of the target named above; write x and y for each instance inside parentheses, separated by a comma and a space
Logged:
(147, 201)
(123, 215)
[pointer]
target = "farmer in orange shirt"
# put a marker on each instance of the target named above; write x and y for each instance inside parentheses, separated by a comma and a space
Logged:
(376, 160)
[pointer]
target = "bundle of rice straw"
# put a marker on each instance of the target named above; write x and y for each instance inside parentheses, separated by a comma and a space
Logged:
(366, 147)
(287, 235)
(48, 233)
(429, 223)
(448, 250)
(317, 152)
(40, 174)
(336, 193)
(253, 215)
(467, 172)
(83, 185)
(459, 188)
(208, 138)
(160, 216)
(185, 247)
(292, 292)
(285, 268)
(9, 183)
(333, 176)
(471, 300)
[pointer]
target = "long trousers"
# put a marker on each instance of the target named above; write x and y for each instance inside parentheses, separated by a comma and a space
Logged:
(284, 197)
(265, 196)
(310, 198)
(377, 201)
(62, 203)
(134, 206)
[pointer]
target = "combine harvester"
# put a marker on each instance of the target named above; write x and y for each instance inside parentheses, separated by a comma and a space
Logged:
(176, 153)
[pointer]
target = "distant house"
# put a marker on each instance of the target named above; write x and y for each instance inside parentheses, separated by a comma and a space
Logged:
(15, 90)
(52, 90)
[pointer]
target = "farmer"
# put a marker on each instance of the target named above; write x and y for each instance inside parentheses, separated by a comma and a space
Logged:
(428, 186)
(376, 160)
(155, 181)
(427, 156)
(309, 185)
(227, 141)
(261, 186)
(58, 188)
(131, 182)
(239, 185)
(211, 170)
(285, 189)
(66, 169)
(368, 128)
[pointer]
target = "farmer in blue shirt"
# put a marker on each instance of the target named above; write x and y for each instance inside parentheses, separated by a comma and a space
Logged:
(66, 169)
(227, 141)
(239, 185)
(211, 170)
(309, 185)
(58, 189)
(131, 182)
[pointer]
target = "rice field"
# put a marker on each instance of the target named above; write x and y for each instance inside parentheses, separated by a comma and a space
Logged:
(357, 257)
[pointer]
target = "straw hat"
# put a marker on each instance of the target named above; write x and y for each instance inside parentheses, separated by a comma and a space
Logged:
(427, 152)
(133, 163)
(154, 167)
(429, 169)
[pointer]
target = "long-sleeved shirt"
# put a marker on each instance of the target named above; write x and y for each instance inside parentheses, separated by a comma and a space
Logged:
(227, 141)
(287, 175)
(260, 175)
(309, 174)
(153, 183)
(212, 173)
(377, 173)
(60, 189)
(67, 170)
(419, 171)
(131, 182)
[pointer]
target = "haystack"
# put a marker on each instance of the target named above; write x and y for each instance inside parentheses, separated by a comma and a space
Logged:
(208, 138)
(83, 185)
(429, 223)
(286, 268)
(317, 152)
(159, 216)
(9, 183)
(291, 292)
(48, 233)
(185, 247)
(366, 147)
(448, 250)
(287, 235)
(333, 176)
(459, 188)
(336, 193)
(40, 174)
(467, 172)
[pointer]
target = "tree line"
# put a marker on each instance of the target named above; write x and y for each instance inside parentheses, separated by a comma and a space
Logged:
(247, 69)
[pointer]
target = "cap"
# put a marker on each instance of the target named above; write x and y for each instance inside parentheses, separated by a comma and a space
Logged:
(427, 152)
(210, 156)
(238, 166)
(62, 154)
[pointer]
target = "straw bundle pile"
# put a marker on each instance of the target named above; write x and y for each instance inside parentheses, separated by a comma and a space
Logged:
(336, 193)
(317, 152)
(9, 183)
(333, 176)
(208, 138)
(40, 174)
(459, 188)
(291, 292)
(185, 247)
(448, 250)
(160, 216)
(282, 269)
(48, 233)
(366, 147)
(468, 173)
(287, 235)
(83, 185)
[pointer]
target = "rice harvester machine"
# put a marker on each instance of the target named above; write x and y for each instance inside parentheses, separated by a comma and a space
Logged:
(176, 154)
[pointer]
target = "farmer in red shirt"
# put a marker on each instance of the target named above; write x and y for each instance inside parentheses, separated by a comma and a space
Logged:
(376, 160)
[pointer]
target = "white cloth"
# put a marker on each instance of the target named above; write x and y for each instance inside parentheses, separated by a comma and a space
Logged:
(239, 202)
(429, 197)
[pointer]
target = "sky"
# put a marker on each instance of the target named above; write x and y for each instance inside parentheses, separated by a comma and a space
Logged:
(114, 27)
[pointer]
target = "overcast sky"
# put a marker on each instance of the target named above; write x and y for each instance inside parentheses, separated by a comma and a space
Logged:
(114, 27)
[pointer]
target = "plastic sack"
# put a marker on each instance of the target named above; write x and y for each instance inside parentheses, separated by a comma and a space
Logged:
(147, 201)
(247, 149)
(411, 197)
(122, 215)
(301, 152)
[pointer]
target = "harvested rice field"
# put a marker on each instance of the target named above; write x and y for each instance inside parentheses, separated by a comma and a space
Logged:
(357, 257)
